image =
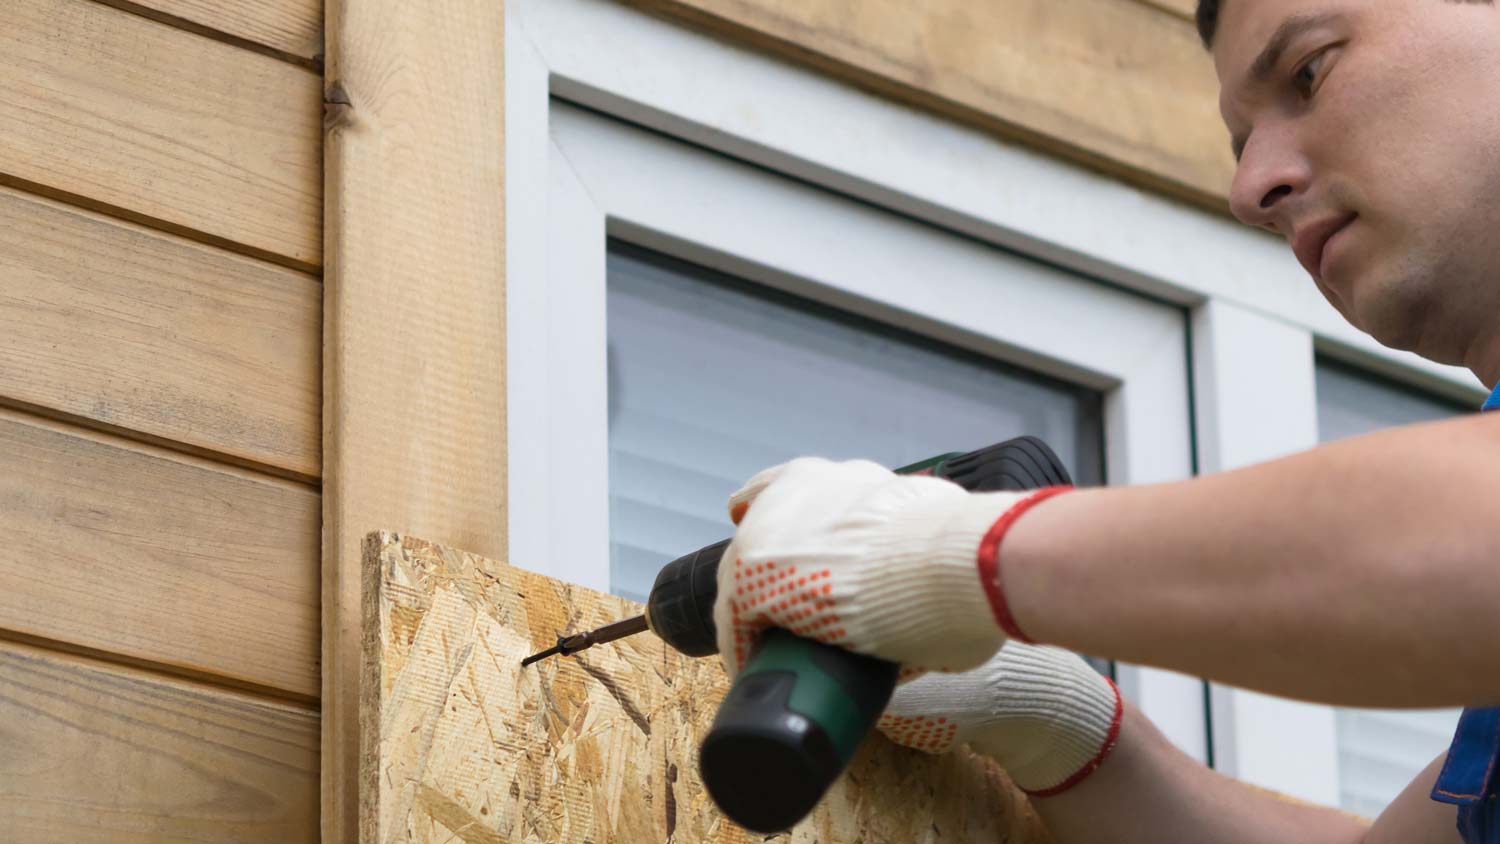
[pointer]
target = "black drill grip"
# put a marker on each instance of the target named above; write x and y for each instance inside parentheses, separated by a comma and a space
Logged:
(789, 726)
(681, 607)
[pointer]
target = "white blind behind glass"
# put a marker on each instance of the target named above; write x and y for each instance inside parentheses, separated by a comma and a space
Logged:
(1380, 751)
(712, 379)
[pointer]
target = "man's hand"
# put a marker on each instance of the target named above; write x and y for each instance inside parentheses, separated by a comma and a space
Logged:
(857, 556)
(1044, 714)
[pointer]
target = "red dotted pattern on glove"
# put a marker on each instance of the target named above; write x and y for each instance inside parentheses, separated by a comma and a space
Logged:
(801, 604)
(934, 735)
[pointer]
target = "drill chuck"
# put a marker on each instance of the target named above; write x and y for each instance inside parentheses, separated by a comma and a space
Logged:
(681, 605)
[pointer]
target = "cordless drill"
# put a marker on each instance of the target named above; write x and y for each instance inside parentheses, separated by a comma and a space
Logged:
(798, 709)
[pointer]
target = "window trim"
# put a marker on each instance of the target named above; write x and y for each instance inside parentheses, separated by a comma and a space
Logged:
(617, 60)
(611, 179)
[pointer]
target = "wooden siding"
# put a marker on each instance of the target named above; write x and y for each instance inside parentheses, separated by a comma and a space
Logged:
(99, 754)
(160, 437)
(291, 28)
(1119, 85)
(170, 560)
(134, 329)
(113, 110)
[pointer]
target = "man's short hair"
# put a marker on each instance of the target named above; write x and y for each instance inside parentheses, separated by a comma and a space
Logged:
(1208, 17)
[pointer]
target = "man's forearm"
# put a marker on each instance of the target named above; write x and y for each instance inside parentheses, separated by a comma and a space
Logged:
(1363, 572)
(1148, 792)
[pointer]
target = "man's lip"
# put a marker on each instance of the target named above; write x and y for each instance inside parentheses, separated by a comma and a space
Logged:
(1310, 239)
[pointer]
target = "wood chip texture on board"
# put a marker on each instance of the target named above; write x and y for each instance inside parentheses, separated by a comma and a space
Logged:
(461, 744)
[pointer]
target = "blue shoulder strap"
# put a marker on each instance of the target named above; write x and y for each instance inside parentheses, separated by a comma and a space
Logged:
(1493, 402)
(1467, 774)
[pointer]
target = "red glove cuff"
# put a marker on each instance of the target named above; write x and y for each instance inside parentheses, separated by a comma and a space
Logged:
(1110, 740)
(989, 561)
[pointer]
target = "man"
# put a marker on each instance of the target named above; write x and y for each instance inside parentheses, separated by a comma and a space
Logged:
(1365, 572)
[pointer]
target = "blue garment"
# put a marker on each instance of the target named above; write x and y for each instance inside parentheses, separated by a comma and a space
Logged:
(1468, 778)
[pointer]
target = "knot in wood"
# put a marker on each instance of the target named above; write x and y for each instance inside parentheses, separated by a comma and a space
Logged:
(338, 107)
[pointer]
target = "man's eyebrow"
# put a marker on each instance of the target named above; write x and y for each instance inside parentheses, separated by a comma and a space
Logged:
(1290, 28)
(1270, 55)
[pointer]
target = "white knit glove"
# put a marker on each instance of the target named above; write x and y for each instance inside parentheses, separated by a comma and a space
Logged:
(857, 556)
(1044, 714)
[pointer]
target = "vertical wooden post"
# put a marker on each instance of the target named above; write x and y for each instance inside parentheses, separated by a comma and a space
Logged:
(414, 392)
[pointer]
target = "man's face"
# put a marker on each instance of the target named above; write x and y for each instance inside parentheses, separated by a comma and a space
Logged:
(1368, 134)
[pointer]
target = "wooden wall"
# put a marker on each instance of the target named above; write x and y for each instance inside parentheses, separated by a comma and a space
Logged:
(1123, 86)
(160, 393)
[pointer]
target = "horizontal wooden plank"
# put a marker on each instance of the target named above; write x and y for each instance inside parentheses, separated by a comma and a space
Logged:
(290, 27)
(163, 558)
(99, 753)
(1120, 86)
(185, 132)
(137, 329)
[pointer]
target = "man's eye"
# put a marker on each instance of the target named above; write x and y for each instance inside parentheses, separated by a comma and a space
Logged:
(1306, 77)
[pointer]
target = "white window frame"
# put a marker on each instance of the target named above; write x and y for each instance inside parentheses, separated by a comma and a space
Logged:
(596, 177)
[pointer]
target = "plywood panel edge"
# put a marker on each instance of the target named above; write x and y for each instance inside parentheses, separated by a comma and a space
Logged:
(601, 746)
(414, 392)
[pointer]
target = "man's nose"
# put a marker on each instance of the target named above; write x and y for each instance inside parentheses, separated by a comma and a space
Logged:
(1270, 172)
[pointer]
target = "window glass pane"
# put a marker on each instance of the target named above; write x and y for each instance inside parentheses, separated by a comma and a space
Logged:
(1351, 403)
(712, 379)
(1379, 751)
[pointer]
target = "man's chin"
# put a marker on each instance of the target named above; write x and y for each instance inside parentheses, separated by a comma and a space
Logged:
(1398, 319)
(1368, 302)
(1400, 342)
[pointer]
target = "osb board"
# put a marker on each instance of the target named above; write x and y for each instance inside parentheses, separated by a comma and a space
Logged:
(93, 753)
(462, 744)
(127, 115)
(1119, 85)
